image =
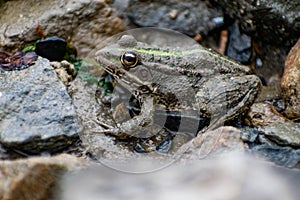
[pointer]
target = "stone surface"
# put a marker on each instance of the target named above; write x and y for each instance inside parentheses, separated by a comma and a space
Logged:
(284, 156)
(273, 21)
(263, 114)
(65, 71)
(290, 83)
(227, 177)
(36, 111)
(84, 23)
(239, 45)
(35, 178)
(188, 17)
(286, 134)
(222, 140)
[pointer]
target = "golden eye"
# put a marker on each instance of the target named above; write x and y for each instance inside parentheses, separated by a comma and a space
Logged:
(129, 59)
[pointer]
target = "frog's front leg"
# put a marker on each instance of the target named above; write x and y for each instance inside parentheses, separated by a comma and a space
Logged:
(139, 125)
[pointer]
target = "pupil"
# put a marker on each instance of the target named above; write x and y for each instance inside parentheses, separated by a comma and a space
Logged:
(129, 58)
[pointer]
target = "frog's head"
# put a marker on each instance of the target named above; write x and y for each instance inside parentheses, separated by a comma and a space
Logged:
(124, 61)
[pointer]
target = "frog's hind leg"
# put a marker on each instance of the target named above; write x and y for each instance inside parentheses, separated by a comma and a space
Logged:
(241, 107)
(219, 119)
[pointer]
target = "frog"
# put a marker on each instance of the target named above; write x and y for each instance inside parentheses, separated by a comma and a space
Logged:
(176, 79)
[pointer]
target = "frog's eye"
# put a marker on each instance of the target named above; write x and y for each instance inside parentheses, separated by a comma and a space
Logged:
(129, 59)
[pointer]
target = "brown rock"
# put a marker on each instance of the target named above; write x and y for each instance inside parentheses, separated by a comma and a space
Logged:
(35, 178)
(263, 114)
(222, 140)
(85, 23)
(290, 83)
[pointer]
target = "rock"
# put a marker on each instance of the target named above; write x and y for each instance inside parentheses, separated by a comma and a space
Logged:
(84, 23)
(263, 114)
(36, 178)
(290, 83)
(52, 48)
(188, 17)
(284, 156)
(65, 71)
(239, 46)
(228, 177)
(266, 17)
(222, 140)
(286, 134)
(36, 111)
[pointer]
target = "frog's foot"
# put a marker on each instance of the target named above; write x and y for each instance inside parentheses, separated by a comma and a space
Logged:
(138, 126)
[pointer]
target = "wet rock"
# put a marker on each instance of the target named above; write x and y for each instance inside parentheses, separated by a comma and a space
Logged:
(52, 48)
(84, 23)
(290, 83)
(263, 114)
(36, 111)
(189, 17)
(36, 178)
(284, 156)
(239, 46)
(286, 134)
(222, 140)
(228, 177)
(273, 21)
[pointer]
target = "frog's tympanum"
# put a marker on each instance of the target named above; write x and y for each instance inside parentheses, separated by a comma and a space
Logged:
(189, 80)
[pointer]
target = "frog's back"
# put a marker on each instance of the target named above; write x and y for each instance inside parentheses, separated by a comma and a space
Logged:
(193, 58)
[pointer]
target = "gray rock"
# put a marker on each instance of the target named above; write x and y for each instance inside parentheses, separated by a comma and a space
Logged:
(273, 21)
(84, 23)
(188, 17)
(36, 111)
(287, 134)
(285, 156)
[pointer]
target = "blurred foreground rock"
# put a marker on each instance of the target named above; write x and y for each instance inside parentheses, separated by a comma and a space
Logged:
(226, 177)
(36, 111)
(35, 178)
(290, 83)
(84, 23)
